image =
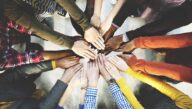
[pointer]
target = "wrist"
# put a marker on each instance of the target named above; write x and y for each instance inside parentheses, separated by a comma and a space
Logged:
(93, 84)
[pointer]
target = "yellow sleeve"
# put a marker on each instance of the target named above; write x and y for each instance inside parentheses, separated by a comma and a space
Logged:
(129, 94)
(53, 63)
(182, 100)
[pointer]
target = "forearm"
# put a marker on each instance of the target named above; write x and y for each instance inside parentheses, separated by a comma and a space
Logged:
(75, 13)
(129, 94)
(54, 96)
(52, 55)
(90, 98)
(115, 10)
(182, 101)
(119, 98)
(98, 7)
(172, 41)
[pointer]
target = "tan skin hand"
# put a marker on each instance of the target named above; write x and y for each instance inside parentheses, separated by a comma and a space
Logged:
(67, 62)
(114, 43)
(69, 73)
(128, 47)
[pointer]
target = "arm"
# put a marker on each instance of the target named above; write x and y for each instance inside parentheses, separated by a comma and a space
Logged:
(182, 100)
(51, 101)
(177, 72)
(14, 12)
(120, 100)
(90, 98)
(172, 41)
(95, 20)
(75, 13)
(129, 94)
(109, 19)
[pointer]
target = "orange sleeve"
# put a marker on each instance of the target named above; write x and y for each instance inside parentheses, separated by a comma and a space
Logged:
(171, 41)
(177, 72)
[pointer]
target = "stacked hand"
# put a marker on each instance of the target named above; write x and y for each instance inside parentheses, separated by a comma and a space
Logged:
(83, 49)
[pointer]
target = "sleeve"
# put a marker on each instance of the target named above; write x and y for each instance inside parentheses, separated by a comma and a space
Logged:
(177, 72)
(81, 106)
(121, 101)
(51, 101)
(171, 42)
(75, 12)
(16, 13)
(90, 98)
(18, 59)
(182, 100)
(129, 94)
(58, 107)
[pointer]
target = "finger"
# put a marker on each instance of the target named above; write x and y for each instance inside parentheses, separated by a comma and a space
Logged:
(87, 56)
(91, 53)
(101, 43)
(101, 39)
(97, 46)
(78, 67)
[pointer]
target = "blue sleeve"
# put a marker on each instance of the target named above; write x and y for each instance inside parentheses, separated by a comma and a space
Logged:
(58, 107)
(81, 106)
(90, 98)
(119, 98)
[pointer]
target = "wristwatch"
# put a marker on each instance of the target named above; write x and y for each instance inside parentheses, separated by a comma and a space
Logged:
(111, 81)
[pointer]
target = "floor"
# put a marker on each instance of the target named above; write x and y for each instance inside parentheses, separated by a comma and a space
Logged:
(63, 25)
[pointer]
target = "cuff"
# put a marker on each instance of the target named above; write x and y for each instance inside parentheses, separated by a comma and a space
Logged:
(91, 91)
(53, 63)
(81, 106)
(59, 107)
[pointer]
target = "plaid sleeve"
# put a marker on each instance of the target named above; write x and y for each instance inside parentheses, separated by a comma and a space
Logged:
(121, 101)
(18, 59)
(90, 98)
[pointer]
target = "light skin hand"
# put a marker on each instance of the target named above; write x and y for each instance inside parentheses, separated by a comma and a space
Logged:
(69, 73)
(118, 62)
(101, 63)
(113, 71)
(95, 21)
(92, 74)
(83, 79)
(67, 62)
(93, 36)
(82, 48)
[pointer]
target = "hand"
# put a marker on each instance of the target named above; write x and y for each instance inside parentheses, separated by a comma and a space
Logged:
(114, 43)
(95, 21)
(69, 73)
(83, 79)
(82, 48)
(128, 47)
(129, 59)
(101, 63)
(67, 62)
(93, 36)
(92, 74)
(118, 62)
(105, 25)
(114, 72)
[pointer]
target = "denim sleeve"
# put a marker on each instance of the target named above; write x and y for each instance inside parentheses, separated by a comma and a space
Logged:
(90, 98)
(121, 101)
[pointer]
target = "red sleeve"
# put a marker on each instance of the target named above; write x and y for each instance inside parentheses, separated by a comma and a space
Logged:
(177, 72)
(171, 41)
